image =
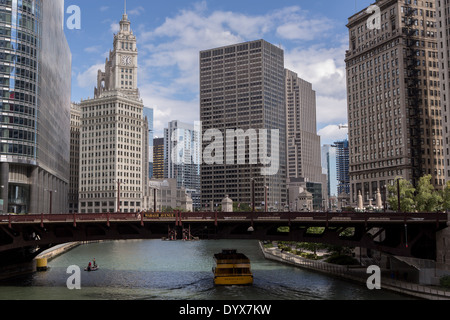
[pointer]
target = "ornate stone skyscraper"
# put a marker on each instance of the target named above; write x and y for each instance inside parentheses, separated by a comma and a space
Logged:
(443, 25)
(121, 67)
(394, 106)
(114, 134)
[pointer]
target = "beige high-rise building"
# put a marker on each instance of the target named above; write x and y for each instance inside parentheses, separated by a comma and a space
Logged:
(303, 152)
(443, 25)
(395, 124)
(74, 182)
(114, 135)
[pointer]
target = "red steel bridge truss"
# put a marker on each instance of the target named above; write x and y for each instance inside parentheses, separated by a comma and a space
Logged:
(23, 237)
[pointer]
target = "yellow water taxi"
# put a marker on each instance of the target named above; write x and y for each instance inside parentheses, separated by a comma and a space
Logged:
(232, 268)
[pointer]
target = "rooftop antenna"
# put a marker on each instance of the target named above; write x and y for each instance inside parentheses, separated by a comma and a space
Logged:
(125, 16)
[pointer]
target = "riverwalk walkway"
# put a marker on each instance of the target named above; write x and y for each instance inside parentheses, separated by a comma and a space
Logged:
(57, 251)
(356, 274)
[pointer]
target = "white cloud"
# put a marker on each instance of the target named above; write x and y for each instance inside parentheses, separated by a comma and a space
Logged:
(296, 24)
(331, 110)
(323, 67)
(333, 133)
(136, 11)
(88, 78)
(93, 49)
(114, 27)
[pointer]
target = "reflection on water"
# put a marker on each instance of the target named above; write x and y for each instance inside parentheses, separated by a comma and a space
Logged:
(164, 270)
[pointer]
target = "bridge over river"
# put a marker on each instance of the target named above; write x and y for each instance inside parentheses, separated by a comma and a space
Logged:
(23, 237)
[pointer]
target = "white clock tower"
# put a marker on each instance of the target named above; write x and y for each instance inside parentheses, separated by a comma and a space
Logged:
(121, 67)
(114, 135)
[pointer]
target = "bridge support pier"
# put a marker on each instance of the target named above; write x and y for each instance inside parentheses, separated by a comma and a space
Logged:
(11, 271)
(443, 249)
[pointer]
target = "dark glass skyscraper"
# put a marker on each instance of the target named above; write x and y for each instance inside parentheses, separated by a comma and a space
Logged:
(149, 113)
(342, 166)
(242, 88)
(35, 81)
(158, 158)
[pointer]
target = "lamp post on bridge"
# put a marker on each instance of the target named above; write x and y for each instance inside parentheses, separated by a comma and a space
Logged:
(265, 197)
(119, 183)
(51, 199)
(253, 194)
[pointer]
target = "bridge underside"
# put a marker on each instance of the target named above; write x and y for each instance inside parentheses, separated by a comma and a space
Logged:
(23, 242)
(413, 241)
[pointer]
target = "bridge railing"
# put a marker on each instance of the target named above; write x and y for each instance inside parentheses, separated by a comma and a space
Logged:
(55, 218)
(225, 216)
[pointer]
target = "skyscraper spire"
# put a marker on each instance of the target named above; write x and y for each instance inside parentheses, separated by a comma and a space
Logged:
(125, 16)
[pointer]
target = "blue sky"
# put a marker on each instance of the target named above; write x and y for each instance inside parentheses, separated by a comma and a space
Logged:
(171, 33)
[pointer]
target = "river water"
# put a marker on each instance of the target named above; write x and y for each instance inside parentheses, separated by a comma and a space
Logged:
(164, 270)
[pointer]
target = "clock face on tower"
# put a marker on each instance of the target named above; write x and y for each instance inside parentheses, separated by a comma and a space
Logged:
(126, 60)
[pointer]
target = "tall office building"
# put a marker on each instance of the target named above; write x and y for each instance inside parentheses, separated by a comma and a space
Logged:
(303, 154)
(443, 25)
(342, 167)
(114, 134)
(182, 161)
(329, 168)
(35, 84)
(395, 124)
(149, 114)
(74, 184)
(242, 88)
(158, 158)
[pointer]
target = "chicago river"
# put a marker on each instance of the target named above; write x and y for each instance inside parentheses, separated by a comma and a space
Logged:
(165, 270)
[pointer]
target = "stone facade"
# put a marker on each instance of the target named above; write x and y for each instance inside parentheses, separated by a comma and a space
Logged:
(114, 135)
(394, 112)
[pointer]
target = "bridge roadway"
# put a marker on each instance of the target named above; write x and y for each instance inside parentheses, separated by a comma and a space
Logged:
(22, 237)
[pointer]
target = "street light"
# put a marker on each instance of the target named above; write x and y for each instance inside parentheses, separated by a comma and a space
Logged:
(2, 200)
(252, 229)
(118, 194)
(51, 199)
(253, 194)
(265, 196)
(154, 200)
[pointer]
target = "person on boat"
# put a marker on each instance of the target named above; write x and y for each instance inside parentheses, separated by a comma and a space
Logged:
(90, 266)
(95, 264)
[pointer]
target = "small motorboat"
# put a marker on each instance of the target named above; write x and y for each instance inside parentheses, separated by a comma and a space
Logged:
(92, 269)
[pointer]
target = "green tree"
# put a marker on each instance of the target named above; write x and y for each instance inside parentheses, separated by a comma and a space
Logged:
(446, 197)
(407, 191)
(427, 198)
(243, 207)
